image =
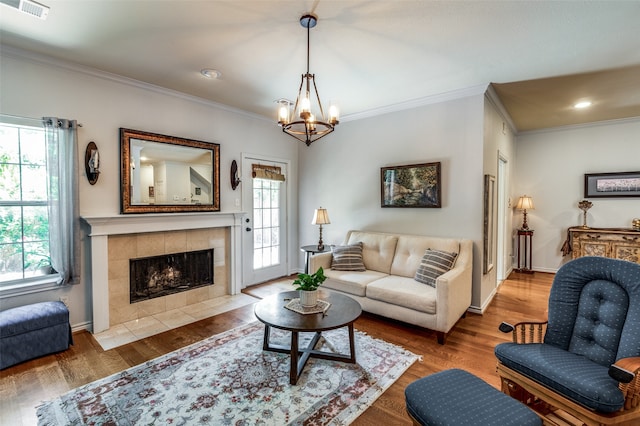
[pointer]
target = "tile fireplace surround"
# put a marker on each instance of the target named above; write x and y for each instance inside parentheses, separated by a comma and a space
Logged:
(116, 239)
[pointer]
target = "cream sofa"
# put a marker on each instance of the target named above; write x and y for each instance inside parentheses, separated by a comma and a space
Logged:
(388, 287)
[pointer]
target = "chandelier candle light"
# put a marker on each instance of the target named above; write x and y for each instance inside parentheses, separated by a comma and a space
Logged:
(525, 203)
(320, 217)
(307, 127)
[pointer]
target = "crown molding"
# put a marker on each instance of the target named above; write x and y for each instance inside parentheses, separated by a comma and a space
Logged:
(40, 58)
(581, 126)
(418, 102)
(493, 97)
(481, 89)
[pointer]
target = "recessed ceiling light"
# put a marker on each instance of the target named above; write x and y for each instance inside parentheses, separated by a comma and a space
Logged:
(582, 104)
(211, 73)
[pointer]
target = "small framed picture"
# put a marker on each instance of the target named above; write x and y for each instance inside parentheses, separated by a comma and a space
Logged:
(415, 185)
(612, 185)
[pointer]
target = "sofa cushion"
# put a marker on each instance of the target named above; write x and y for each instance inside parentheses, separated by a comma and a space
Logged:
(434, 263)
(347, 258)
(410, 250)
(351, 282)
(405, 292)
(574, 376)
(378, 249)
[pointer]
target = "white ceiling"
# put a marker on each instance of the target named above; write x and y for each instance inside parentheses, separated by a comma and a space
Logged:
(367, 55)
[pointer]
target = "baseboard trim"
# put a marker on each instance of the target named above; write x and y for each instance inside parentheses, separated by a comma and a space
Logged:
(87, 325)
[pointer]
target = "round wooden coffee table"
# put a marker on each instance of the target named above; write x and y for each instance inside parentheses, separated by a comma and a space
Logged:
(342, 313)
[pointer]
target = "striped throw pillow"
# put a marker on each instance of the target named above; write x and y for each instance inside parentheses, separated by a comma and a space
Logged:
(433, 264)
(348, 258)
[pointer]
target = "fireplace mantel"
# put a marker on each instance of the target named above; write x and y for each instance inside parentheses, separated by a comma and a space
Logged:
(103, 226)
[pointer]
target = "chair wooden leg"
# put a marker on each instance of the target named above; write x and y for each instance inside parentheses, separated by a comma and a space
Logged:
(517, 392)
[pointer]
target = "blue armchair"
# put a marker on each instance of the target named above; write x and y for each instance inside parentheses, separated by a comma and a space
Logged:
(583, 360)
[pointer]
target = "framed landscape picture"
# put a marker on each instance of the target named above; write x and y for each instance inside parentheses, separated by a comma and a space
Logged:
(601, 185)
(415, 185)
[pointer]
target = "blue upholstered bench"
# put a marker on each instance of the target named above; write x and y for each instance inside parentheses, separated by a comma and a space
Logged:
(457, 398)
(31, 331)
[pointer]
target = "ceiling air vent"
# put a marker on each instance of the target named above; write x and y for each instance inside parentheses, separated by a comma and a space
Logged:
(29, 7)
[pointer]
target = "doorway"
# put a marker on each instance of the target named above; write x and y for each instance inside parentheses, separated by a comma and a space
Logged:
(264, 198)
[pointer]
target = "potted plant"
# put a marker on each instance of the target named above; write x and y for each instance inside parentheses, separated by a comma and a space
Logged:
(307, 285)
(39, 263)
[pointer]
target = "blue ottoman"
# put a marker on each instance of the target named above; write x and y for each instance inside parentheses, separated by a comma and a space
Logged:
(33, 330)
(455, 397)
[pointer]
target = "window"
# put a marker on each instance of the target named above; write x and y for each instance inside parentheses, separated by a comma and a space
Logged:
(24, 217)
(266, 223)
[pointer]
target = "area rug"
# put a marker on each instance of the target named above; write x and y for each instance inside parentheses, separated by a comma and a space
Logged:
(228, 379)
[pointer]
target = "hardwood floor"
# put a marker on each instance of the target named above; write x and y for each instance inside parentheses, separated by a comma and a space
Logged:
(469, 346)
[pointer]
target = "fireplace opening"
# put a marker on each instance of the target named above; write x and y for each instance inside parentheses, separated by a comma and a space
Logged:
(158, 276)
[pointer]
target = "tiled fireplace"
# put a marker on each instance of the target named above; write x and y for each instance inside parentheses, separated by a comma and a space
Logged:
(166, 274)
(116, 240)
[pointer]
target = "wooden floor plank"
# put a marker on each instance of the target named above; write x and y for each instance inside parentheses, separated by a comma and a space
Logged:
(469, 346)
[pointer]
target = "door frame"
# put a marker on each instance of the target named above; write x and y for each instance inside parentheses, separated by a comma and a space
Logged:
(503, 256)
(248, 277)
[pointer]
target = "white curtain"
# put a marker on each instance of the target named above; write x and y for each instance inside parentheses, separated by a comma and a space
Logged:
(62, 185)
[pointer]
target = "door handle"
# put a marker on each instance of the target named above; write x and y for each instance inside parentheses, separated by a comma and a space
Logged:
(248, 229)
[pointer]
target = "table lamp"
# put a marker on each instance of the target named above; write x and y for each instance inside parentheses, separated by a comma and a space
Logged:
(525, 203)
(320, 217)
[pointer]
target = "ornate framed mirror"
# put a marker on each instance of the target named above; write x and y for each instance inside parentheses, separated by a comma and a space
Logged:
(168, 174)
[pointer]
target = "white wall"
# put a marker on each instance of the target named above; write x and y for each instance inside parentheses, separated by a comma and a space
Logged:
(550, 167)
(499, 142)
(342, 173)
(35, 86)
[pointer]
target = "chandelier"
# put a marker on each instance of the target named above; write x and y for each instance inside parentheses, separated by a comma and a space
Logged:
(300, 121)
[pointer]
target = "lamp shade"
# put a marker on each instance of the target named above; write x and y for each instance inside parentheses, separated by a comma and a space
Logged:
(525, 203)
(320, 217)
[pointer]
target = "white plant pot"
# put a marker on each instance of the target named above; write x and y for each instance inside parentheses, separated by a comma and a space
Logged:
(308, 299)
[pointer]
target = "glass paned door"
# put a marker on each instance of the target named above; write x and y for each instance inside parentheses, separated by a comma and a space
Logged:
(265, 232)
(266, 223)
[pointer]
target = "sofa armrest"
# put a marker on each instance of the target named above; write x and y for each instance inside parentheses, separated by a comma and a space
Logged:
(453, 289)
(318, 260)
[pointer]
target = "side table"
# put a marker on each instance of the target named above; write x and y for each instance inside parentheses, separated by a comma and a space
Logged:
(525, 266)
(309, 250)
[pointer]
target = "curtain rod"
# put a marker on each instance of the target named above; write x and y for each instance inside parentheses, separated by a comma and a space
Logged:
(16, 119)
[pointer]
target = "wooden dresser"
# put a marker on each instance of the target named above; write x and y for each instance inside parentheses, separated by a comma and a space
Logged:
(617, 243)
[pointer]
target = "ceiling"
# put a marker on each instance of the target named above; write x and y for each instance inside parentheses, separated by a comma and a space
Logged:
(369, 56)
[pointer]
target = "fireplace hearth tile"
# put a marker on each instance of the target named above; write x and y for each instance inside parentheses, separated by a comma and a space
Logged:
(145, 327)
(131, 331)
(175, 318)
(115, 336)
(198, 310)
